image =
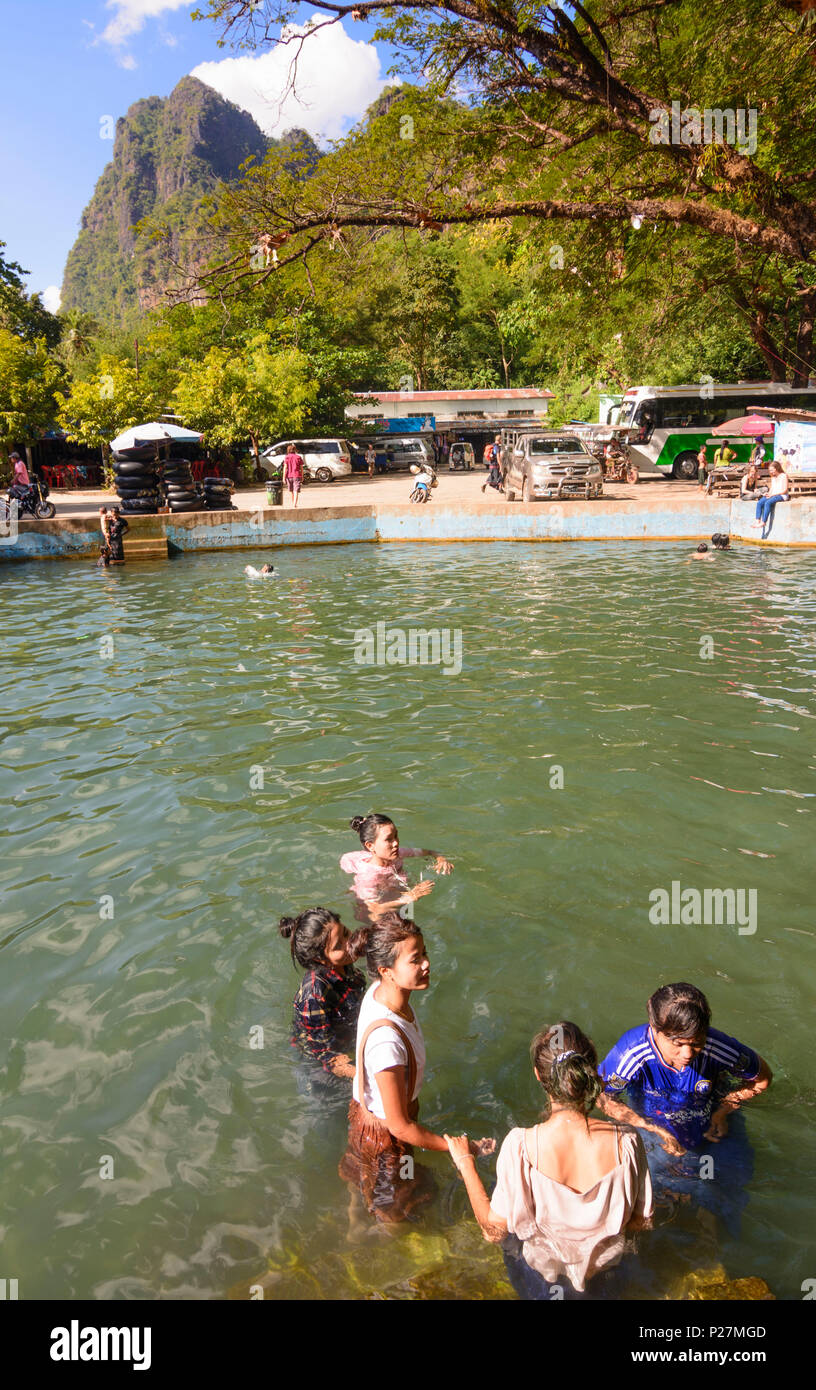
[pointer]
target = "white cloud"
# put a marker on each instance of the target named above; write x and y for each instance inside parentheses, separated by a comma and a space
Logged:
(128, 61)
(51, 298)
(337, 77)
(129, 16)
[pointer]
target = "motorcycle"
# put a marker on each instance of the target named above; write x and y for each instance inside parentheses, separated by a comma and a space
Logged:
(425, 480)
(617, 464)
(33, 502)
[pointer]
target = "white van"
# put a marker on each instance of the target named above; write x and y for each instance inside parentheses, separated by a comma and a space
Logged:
(405, 449)
(324, 459)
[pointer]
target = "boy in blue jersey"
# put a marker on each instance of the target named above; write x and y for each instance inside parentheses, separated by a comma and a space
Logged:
(680, 1072)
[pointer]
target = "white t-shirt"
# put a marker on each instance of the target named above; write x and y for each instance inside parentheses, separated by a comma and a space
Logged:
(385, 1048)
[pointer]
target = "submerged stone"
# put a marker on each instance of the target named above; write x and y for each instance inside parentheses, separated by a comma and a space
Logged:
(711, 1285)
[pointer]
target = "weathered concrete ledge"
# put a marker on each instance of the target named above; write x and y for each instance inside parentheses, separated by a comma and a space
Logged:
(689, 519)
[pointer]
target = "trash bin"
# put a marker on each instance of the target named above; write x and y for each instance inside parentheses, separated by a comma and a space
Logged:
(274, 492)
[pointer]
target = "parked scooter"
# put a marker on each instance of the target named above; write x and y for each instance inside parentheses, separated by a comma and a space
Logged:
(33, 501)
(425, 479)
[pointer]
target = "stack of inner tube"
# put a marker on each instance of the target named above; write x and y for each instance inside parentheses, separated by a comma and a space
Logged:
(137, 484)
(182, 494)
(218, 495)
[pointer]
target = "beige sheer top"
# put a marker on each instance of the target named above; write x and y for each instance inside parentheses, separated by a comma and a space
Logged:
(565, 1234)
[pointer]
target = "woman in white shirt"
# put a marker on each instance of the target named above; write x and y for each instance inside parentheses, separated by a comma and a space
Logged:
(571, 1188)
(777, 492)
(383, 1123)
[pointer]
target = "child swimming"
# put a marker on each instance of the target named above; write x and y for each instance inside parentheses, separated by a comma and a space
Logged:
(379, 882)
(265, 572)
(325, 1008)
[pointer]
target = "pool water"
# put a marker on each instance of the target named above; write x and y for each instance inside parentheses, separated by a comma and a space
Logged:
(182, 750)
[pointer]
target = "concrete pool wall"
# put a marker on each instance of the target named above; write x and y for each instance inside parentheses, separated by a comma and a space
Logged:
(690, 520)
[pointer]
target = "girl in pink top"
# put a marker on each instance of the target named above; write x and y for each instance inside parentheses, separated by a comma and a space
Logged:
(380, 884)
(570, 1189)
(293, 471)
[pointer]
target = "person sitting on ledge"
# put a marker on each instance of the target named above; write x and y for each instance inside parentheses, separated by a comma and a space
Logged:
(779, 491)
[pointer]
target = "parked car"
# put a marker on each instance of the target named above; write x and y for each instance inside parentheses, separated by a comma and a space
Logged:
(461, 457)
(404, 450)
(552, 465)
(324, 459)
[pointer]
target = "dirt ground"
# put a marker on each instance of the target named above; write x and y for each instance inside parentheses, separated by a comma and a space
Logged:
(360, 490)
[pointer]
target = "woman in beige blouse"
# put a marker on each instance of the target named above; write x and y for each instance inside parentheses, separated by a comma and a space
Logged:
(571, 1188)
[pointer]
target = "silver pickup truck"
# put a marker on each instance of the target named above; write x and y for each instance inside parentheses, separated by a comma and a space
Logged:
(552, 466)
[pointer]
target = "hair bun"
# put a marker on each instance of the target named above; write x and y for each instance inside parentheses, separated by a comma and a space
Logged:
(286, 926)
(356, 822)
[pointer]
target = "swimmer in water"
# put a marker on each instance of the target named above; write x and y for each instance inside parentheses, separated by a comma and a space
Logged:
(325, 1009)
(379, 882)
(701, 553)
(265, 572)
(720, 541)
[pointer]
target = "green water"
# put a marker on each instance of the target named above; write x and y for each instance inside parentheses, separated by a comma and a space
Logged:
(129, 777)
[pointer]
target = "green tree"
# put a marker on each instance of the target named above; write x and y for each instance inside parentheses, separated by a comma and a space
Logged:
(257, 394)
(22, 313)
(100, 407)
(582, 113)
(29, 382)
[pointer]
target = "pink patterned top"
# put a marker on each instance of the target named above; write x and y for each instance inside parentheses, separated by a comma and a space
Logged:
(375, 883)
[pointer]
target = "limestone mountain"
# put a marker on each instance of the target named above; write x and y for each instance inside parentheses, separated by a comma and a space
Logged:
(169, 154)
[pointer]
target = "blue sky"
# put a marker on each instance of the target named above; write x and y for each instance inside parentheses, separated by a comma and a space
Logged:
(69, 64)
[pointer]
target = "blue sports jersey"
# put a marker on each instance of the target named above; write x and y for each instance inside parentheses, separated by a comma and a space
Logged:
(679, 1101)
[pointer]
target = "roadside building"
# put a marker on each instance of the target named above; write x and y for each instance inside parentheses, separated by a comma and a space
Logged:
(475, 416)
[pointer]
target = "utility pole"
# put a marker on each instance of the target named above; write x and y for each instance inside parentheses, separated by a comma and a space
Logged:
(136, 343)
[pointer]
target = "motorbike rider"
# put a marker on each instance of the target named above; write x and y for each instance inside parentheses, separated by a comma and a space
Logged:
(20, 483)
(425, 478)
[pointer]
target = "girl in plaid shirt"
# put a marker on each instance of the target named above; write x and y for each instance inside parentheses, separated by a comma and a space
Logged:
(327, 1004)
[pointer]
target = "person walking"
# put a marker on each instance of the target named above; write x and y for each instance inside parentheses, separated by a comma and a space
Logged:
(293, 471)
(371, 460)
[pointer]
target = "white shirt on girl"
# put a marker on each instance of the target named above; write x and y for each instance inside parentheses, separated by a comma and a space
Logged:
(384, 1049)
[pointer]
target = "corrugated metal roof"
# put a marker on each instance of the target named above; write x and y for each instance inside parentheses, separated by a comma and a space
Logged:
(500, 393)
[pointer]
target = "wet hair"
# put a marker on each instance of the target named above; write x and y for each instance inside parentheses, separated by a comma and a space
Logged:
(367, 826)
(379, 942)
(309, 934)
(702, 548)
(566, 1063)
(720, 540)
(679, 1011)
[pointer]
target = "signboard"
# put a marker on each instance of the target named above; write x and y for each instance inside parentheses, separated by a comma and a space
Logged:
(795, 446)
(411, 424)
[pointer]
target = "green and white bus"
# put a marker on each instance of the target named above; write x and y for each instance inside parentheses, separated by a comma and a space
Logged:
(675, 420)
